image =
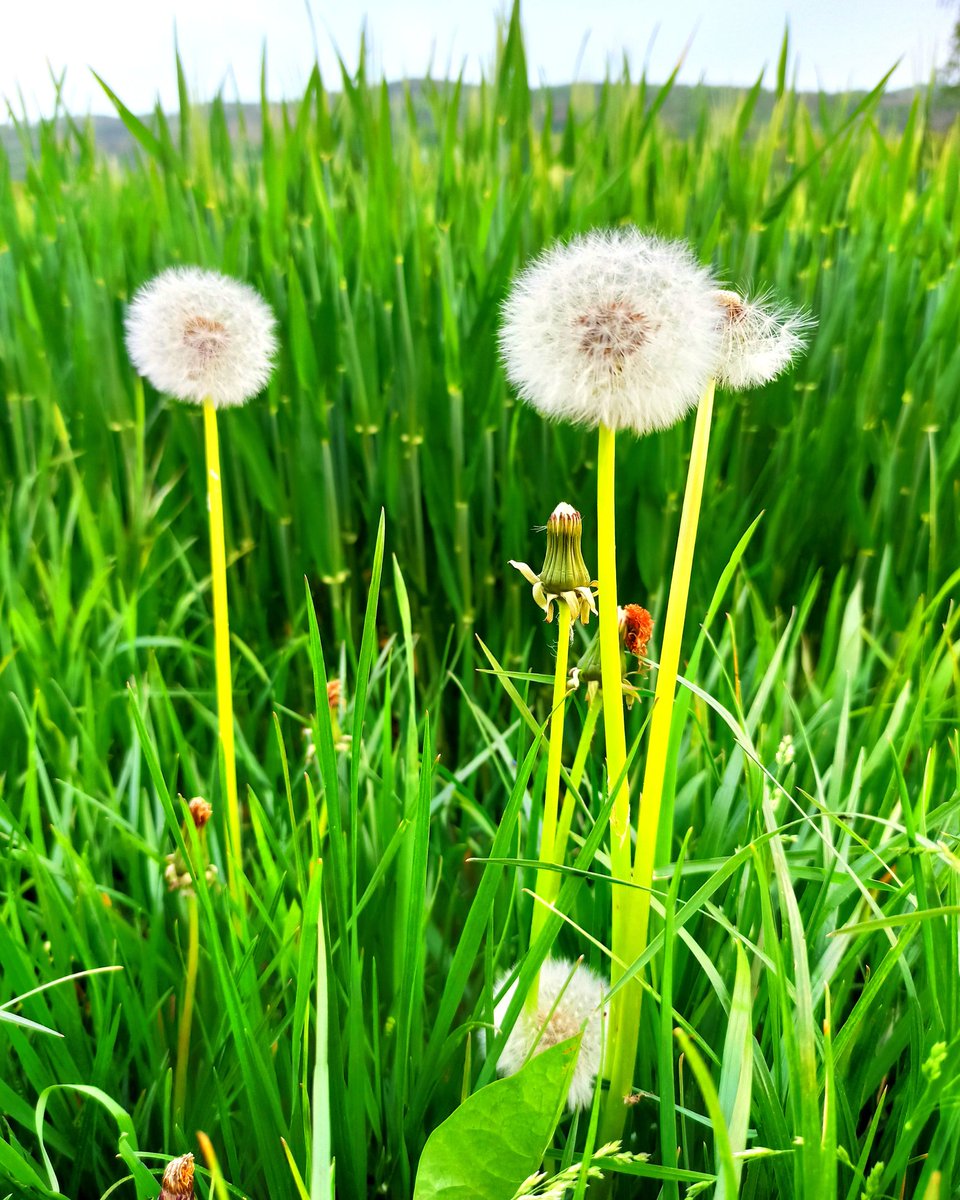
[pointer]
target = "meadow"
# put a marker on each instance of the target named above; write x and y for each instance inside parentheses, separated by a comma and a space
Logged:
(805, 917)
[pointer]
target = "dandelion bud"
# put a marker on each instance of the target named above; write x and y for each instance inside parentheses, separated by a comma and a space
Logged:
(177, 1183)
(569, 1003)
(615, 328)
(759, 339)
(201, 811)
(564, 575)
(198, 335)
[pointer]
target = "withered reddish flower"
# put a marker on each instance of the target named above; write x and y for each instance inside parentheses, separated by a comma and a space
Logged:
(201, 811)
(177, 1183)
(333, 694)
(636, 629)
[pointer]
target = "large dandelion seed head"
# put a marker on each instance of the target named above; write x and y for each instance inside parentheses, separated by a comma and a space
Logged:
(199, 335)
(616, 328)
(760, 338)
(578, 1009)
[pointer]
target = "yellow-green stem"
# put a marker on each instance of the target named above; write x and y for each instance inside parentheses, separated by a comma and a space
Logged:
(221, 637)
(186, 1008)
(548, 881)
(635, 941)
(613, 721)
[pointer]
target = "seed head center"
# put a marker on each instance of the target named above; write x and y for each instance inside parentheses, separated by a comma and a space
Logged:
(560, 1028)
(611, 332)
(205, 336)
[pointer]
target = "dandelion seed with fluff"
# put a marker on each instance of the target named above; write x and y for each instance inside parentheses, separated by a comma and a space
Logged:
(207, 339)
(570, 1003)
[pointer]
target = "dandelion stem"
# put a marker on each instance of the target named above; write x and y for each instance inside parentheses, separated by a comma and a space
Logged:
(613, 720)
(186, 1009)
(547, 883)
(635, 933)
(221, 634)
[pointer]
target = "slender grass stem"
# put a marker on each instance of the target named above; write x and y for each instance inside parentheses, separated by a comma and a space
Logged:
(548, 881)
(576, 776)
(221, 634)
(634, 940)
(186, 1008)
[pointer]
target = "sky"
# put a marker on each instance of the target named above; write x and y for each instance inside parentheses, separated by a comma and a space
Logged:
(835, 44)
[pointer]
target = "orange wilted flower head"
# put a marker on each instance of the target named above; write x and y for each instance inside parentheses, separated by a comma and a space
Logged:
(636, 629)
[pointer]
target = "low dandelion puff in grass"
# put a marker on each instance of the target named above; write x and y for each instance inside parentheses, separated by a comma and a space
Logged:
(570, 1001)
(759, 340)
(614, 328)
(199, 335)
(208, 339)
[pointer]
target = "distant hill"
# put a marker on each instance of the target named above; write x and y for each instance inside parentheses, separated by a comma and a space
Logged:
(680, 112)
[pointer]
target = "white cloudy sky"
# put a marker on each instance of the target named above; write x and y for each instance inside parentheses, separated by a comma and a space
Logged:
(835, 43)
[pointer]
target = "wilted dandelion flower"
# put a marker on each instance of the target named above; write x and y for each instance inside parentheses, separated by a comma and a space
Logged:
(615, 328)
(177, 1183)
(580, 994)
(199, 335)
(636, 629)
(759, 339)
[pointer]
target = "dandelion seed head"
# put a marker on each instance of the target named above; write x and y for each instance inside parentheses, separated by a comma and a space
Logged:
(578, 1009)
(200, 335)
(615, 327)
(760, 338)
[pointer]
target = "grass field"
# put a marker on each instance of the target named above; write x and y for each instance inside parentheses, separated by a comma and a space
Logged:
(808, 885)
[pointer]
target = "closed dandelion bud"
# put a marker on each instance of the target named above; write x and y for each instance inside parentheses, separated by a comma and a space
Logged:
(759, 339)
(564, 575)
(177, 1182)
(199, 335)
(570, 999)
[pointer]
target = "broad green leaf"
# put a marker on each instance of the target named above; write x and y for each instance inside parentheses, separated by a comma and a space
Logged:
(497, 1138)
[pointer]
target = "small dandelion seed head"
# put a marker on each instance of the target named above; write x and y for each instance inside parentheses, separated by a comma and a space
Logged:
(200, 335)
(578, 1009)
(760, 338)
(615, 327)
(177, 1183)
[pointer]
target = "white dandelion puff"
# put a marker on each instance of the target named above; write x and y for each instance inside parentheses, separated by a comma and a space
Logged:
(199, 335)
(580, 994)
(760, 338)
(616, 327)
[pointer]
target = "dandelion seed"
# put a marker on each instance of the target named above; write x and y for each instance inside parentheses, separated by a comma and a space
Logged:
(580, 994)
(177, 1183)
(615, 328)
(198, 335)
(760, 338)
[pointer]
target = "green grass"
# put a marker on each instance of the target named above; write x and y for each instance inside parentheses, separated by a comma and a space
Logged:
(385, 236)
